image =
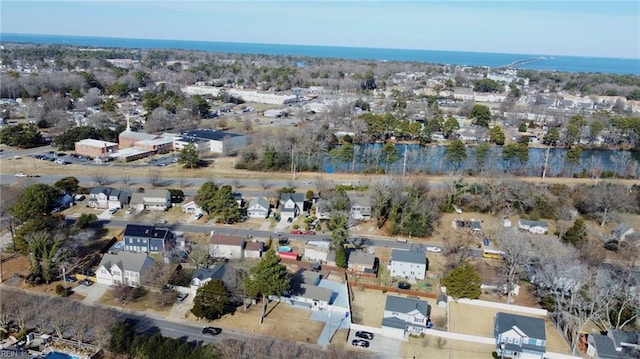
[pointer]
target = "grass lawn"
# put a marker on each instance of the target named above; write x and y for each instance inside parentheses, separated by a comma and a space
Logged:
(282, 321)
(144, 304)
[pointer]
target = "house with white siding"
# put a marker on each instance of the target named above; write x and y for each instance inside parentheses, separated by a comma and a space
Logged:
(408, 264)
(123, 268)
(404, 316)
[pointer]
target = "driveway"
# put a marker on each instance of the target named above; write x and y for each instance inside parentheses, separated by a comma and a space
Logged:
(181, 308)
(383, 346)
(92, 293)
(105, 215)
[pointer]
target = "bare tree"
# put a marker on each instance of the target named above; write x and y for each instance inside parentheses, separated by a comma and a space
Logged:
(65, 316)
(199, 255)
(101, 178)
(517, 248)
(155, 178)
(456, 248)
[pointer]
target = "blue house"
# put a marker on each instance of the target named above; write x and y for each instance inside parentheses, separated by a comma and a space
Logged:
(142, 238)
(518, 336)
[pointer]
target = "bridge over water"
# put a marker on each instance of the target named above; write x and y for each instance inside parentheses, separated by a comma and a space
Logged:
(522, 62)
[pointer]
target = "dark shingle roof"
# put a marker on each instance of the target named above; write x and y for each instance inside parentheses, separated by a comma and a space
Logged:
(208, 134)
(406, 305)
(604, 346)
(532, 327)
(408, 256)
(138, 230)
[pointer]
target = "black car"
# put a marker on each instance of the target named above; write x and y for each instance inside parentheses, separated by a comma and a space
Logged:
(182, 296)
(404, 285)
(364, 335)
(211, 330)
(87, 282)
(69, 278)
(360, 343)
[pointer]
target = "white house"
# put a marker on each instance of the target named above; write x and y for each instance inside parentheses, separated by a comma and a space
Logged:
(537, 227)
(360, 206)
(230, 247)
(323, 209)
(307, 292)
(518, 336)
(107, 197)
(191, 207)
(153, 199)
(259, 208)
(203, 275)
(403, 316)
(408, 264)
(291, 204)
(253, 249)
(123, 268)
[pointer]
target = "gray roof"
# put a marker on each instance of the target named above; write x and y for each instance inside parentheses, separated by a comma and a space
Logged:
(358, 198)
(619, 337)
(128, 261)
(260, 201)
(406, 305)
(216, 272)
(604, 346)
(316, 293)
(208, 134)
(296, 197)
(394, 322)
(109, 191)
(531, 327)
(138, 198)
(408, 256)
(362, 258)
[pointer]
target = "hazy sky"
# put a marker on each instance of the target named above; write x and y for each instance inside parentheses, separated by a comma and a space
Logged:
(583, 28)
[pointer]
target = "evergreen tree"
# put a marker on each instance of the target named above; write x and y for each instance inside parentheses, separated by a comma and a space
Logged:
(224, 207)
(496, 135)
(482, 153)
(482, 114)
(211, 299)
(189, 157)
(341, 257)
(204, 195)
(67, 184)
(36, 200)
(449, 127)
(463, 282)
(574, 155)
(388, 155)
(551, 137)
(266, 278)
(456, 152)
(576, 234)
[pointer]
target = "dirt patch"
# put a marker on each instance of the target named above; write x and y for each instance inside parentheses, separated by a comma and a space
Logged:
(340, 338)
(433, 347)
(282, 321)
(144, 304)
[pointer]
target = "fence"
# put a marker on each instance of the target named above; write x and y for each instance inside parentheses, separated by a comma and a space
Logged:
(503, 306)
(393, 290)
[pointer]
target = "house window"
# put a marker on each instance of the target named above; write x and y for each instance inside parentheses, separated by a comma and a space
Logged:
(116, 273)
(417, 320)
(103, 271)
(539, 342)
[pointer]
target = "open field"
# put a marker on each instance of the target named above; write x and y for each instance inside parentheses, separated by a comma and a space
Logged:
(282, 321)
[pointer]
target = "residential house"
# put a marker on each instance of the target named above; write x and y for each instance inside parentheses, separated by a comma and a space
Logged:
(518, 336)
(222, 246)
(468, 224)
(601, 347)
(291, 204)
(360, 206)
(191, 207)
(408, 264)
(153, 199)
(537, 227)
(144, 238)
(259, 208)
(318, 255)
(306, 292)
(253, 249)
(201, 276)
(626, 344)
(238, 197)
(403, 316)
(65, 201)
(360, 261)
(107, 198)
(323, 209)
(123, 268)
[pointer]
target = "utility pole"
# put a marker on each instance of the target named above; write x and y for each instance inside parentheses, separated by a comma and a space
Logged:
(293, 166)
(404, 161)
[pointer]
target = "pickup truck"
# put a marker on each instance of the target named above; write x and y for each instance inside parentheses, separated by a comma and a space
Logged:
(401, 240)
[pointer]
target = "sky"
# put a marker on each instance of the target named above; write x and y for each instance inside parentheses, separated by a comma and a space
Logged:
(547, 27)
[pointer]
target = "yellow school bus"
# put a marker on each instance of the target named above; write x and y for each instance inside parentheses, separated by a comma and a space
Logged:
(493, 254)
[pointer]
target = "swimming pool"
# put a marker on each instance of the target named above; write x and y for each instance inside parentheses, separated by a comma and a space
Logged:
(58, 355)
(284, 249)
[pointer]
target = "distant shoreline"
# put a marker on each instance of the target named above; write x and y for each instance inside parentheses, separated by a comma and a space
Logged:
(541, 62)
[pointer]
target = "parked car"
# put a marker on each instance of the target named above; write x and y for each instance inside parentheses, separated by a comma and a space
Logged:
(21, 174)
(182, 296)
(404, 285)
(290, 219)
(360, 343)
(296, 231)
(113, 210)
(211, 330)
(309, 233)
(70, 278)
(434, 249)
(87, 282)
(364, 335)
(485, 241)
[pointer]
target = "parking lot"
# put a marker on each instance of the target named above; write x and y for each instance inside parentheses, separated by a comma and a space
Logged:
(384, 346)
(62, 158)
